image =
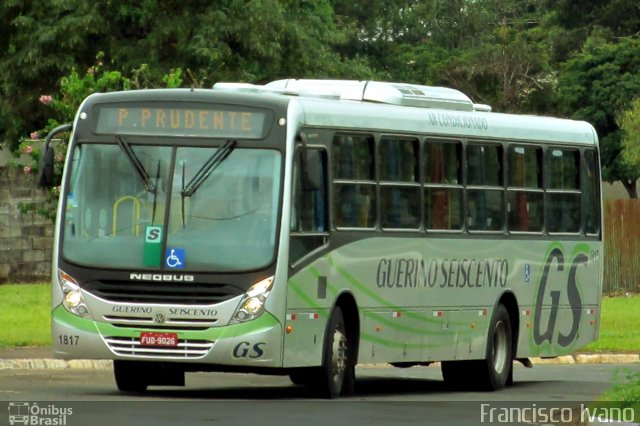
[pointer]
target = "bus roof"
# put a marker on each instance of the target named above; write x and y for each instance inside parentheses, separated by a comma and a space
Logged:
(410, 108)
(376, 106)
(446, 123)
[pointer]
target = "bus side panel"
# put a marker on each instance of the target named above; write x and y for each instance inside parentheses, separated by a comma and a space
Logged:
(432, 299)
(396, 335)
(310, 296)
(559, 311)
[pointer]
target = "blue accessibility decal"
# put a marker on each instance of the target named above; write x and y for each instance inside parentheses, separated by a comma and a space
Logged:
(174, 258)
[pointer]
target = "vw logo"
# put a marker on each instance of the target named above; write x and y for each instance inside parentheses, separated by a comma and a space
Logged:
(159, 318)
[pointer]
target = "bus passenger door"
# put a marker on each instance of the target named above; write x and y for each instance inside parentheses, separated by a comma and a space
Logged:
(308, 303)
(309, 219)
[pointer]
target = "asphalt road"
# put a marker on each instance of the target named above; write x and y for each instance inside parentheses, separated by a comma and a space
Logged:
(384, 396)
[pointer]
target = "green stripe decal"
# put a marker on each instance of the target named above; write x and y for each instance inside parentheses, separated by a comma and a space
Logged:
(312, 304)
(66, 318)
(373, 295)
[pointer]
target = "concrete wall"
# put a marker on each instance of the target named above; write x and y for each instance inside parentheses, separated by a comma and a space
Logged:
(615, 191)
(26, 239)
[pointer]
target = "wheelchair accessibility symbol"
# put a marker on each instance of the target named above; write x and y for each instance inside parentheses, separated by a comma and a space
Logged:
(174, 258)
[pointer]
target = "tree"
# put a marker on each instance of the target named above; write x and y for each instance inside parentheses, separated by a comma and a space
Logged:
(595, 86)
(578, 19)
(497, 52)
(621, 17)
(226, 40)
(507, 71)
(629, 123)
(41, 41)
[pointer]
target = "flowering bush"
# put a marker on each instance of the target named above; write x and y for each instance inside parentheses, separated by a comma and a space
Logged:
(63, 106)
(45, 99)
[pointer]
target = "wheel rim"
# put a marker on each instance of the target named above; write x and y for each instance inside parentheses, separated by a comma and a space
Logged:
(499, 353)
(338, 357)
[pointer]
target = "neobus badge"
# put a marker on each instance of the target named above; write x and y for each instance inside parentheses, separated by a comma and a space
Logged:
(138, 276)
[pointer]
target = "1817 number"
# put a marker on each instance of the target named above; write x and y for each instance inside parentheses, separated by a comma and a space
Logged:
(68, 340)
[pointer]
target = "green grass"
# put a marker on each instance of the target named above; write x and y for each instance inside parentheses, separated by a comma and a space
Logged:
(619, 331)
(624, 394)
(25, 315)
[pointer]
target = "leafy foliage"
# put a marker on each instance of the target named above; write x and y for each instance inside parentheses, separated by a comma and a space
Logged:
(531, 56)
(629, 122)
(594, 86)
(74, 88)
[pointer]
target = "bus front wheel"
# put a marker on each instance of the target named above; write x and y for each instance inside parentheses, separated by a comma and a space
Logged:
(338, 366)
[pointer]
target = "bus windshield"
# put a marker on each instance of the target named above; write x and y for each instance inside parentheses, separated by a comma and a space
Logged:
(227, 222)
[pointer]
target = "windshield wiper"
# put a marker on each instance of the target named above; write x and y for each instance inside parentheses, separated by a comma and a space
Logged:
(155, 194)
(137, 165)
(207, 168)
(182, 193)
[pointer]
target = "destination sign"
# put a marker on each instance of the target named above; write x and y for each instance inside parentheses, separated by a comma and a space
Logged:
(219, 122)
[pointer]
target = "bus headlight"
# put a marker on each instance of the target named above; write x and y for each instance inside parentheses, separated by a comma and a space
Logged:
(252, 304)
(72, 298)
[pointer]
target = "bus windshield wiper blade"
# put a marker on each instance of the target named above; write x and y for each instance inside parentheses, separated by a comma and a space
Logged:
(182, 193)
(155, 194)
(208, 167)
(137, 165)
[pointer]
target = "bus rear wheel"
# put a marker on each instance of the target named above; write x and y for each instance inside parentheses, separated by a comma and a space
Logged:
(496, 369)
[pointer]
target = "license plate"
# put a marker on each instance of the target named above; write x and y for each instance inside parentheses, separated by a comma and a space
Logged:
(148, 338)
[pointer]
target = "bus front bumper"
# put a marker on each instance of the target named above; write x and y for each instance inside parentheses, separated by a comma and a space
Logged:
(256, 343)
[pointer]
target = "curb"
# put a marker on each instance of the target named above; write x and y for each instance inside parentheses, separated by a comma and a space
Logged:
(589, 359)
(81, 364)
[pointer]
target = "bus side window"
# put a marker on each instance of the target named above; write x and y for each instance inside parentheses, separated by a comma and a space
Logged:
(485, 191)
(443, 184)
(354, 181)
(591, 193)
(563, 191)
(399, 183)
(309, 203)
(525, 194)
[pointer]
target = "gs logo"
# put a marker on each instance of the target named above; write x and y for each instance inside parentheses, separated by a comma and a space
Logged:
(246, 350)
(573, 296)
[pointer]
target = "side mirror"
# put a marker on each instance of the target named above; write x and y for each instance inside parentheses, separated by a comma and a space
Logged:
(45, 169)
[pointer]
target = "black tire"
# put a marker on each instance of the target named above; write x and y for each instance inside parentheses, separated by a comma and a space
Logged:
(496, 369)
(130, 376)
(337, 374)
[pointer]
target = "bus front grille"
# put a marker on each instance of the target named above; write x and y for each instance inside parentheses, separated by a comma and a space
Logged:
(167, 293)
(170, 323)
(131, 346)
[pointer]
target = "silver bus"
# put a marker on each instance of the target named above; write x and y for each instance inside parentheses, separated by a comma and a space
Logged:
(304, 227)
